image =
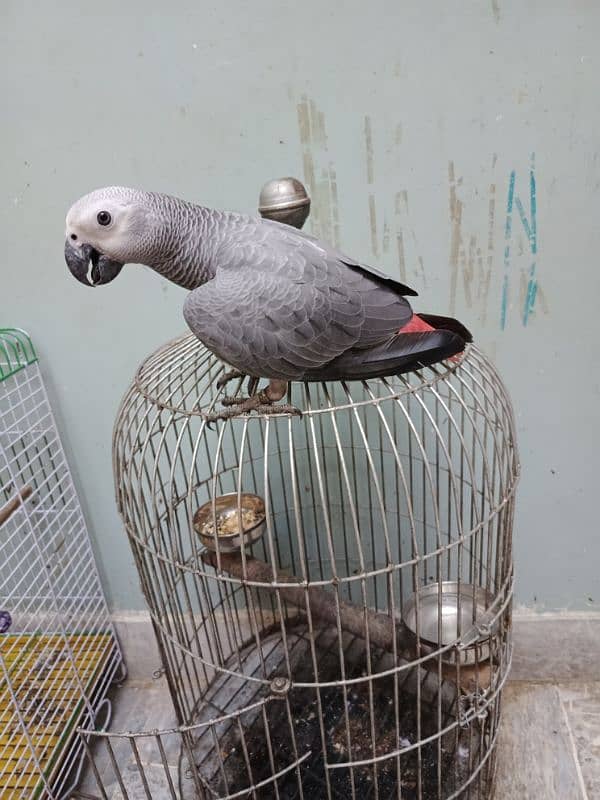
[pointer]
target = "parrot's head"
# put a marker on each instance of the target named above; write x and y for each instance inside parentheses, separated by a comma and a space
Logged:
(105, 230)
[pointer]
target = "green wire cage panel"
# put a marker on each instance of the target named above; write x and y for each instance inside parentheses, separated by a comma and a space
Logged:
(16, 352)
(58, 650)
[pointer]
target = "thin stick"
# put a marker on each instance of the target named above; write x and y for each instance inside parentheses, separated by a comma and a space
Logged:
(323, 604)
(14, 503)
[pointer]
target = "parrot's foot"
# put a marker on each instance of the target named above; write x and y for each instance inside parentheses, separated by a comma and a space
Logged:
(231, 375)
(238, 401)
(260, 403)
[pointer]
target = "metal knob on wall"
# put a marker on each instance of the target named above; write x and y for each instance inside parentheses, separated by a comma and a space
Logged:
(284, 200)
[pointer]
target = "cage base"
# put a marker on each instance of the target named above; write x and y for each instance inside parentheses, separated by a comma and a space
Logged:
(295, 746)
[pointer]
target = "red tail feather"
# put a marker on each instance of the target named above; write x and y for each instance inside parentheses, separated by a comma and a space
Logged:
(416, 325)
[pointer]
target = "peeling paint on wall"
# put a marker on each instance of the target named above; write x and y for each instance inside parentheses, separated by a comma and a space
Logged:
(473, 244)
(456, 209)
(401, 257)
(389, 223)
(490, 247)
(402, 222)
(373, 225)
(319, 172)
(471, 263)
(370, 168)
(369, 151)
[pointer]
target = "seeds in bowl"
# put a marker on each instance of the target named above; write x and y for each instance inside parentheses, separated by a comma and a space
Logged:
(228, 524)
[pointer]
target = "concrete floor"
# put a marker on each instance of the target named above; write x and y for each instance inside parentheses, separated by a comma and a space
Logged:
(549, 746)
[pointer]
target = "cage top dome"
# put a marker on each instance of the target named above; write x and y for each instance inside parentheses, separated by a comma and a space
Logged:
(181, 376)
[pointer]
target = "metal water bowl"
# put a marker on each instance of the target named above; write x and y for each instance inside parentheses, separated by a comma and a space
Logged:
(453, 613)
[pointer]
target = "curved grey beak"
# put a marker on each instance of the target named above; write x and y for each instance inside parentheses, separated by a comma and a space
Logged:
(89, 266)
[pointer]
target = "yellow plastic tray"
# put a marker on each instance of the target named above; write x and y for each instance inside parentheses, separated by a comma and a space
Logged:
(47, 684)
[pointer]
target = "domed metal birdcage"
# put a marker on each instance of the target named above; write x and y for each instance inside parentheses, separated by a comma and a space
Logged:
(331, 593)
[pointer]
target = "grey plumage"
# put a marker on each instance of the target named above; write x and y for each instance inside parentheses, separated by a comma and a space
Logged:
(268, 299)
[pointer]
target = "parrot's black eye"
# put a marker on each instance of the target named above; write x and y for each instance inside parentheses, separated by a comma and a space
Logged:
(103, 218)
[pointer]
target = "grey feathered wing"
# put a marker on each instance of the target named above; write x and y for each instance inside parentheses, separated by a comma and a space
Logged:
(283, 305)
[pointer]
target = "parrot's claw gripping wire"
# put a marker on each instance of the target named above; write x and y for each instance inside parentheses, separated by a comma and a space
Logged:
(231, 375)
(236, 406)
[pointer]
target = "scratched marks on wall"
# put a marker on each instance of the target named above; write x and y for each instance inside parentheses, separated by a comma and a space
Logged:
(403, 223)
(513, 241)
(471, 260)
(319, 172)
(491, 261)
(391, 231)
(370, 164)
(389, 228)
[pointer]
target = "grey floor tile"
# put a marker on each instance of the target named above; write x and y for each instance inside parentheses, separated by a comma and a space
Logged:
(582, 706)
(552, 648)
(136, 707)
(158, 785)
(535, 751)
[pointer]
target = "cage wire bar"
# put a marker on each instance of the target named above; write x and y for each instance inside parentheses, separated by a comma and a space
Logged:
(358, 645)
(58, 650)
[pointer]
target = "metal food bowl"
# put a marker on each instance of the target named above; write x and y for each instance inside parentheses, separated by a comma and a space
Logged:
(465, 620)
(224, 510)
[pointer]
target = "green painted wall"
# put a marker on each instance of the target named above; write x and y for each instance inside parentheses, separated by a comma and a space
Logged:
(407, 121)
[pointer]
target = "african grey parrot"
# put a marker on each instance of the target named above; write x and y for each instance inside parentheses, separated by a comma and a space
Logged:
(266, 298)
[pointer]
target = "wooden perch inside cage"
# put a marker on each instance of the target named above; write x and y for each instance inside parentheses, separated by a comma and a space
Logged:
(7, 510)
(380, 629)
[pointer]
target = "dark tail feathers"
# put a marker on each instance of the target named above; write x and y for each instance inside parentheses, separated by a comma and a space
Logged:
(447, 324)
(402, 353)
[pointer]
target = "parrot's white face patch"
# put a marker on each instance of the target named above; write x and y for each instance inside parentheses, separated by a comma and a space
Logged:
(108, 220)
(101, 223)
(99, 236)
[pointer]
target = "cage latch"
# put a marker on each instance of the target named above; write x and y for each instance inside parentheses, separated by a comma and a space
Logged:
(472, 706)
(280, 686)
(481, 629)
